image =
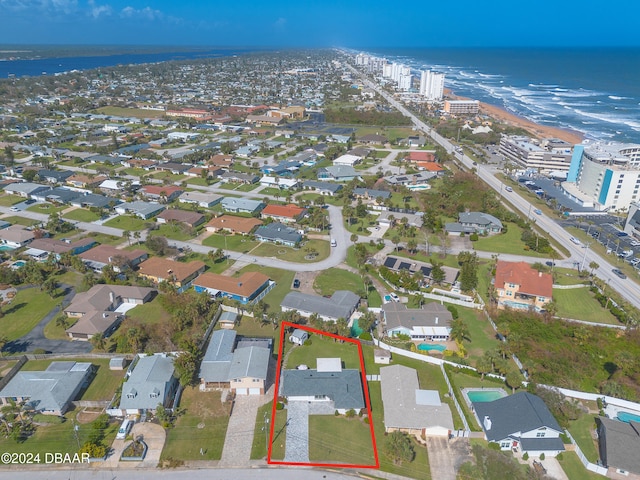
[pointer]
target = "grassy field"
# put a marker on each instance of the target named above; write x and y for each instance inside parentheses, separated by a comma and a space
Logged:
(203, 426)
(55, 332)
(237, 243)
(25, 311)
(483, 337)
(283, 279)
(581, 431)
(332, 279)
(340, 439)
(9, 200)
(172, 230)
(127, 222)
(392, 133)
(103, 385)
(130, 112)
(292, 254)
(173, 178)
(508, 242)
(151, 313)
(579, 304)
(81, 215)
(574, 469)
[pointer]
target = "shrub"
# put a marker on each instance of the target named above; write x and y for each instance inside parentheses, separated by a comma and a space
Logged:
(366, 420)
(525, 456)
(494, 446)
(279, 406)
(542, 456)
(565, 438)
(473, 237)
(350, 413)
(365, 336)
(559, 456)
(307, 342)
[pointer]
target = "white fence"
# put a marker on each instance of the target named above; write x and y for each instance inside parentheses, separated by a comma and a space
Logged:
(587, 464)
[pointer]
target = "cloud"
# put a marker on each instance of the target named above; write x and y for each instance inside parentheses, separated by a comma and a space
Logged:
(280, 23)
(48, 6)
(146, 12)
(97, 11)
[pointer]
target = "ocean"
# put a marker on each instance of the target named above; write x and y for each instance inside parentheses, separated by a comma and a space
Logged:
(593, 91)
(50, 66)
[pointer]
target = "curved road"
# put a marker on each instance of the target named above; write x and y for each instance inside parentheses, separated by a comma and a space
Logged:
(627, 288)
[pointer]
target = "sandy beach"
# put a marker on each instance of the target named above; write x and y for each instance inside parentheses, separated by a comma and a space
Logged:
(536, 130)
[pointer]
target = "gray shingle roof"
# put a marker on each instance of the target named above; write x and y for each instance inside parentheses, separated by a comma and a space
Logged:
(398, 315)
(344, 388)
(619, 444)
(251, 362)
(341, 304)
(479, 218)
(277, 232)
(217, 359)
(151, 374)
(331, 187)
(521, 412)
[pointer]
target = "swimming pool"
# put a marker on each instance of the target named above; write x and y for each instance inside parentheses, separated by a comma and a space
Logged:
(19, 263)
(483, 395)
(628, 417)
(355, 329)
(432, 346)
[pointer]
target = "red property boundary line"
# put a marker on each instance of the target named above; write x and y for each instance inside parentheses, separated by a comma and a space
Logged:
(283, 329)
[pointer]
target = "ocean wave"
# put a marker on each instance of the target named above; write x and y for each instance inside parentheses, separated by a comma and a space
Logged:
(615, 97)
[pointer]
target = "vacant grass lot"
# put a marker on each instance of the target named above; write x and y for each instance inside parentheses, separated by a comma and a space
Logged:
(46, 208)
(483, 337)
(579, 304)
(332, 279)
(103, 238)
(340, 439)
(508, 242)
(173, 230)
(103, 385)
(127, 222)
(15, 220)
(151, 313)
(25, 311)
(237, 243)
(81, 215)
(203, 426)
(291, 254)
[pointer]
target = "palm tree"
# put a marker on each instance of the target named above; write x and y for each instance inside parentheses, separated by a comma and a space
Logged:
(593, 266)
(484, 365)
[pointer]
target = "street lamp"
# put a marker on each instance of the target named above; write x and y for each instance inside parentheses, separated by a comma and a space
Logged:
(584, 257)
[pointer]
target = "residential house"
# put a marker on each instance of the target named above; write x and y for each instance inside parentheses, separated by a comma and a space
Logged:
(284, 213)
(192, 219)
(474, 222)
(521, 422)
(89, 200)
(144, 210)
(337, 173)
(424, 156)
(59, 195)
(101, 309)
(230, 223)
(24, 189)
(173, 167)
(50, 391)
(241, 365)
(163, 193)
(16, 236)
(102, 255)
(247, 288)
(150, 382)
(223, 161)
(85, 181)
(241, 205)
(323, 188)
(521, 287)
(202, 199)
(339, 138)
(373, 139)
(414, 181)
(409, 409)
(276, 232)
(279, 182)
(371, 194)
(348, 160)
(619, 444)
(329, 384)
(54, 176)
(432, 322)
(388, 217)
(237, 177)
(402, 263)
(179, 274)
(58, 247)
(341, 304)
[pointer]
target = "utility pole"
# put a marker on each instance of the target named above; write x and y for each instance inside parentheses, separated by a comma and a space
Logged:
(584, 257)
(266, 431)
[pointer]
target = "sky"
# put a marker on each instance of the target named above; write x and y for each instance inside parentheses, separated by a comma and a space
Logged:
(322, 23)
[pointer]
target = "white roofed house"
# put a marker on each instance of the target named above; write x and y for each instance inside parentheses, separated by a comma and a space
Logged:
(432, 322)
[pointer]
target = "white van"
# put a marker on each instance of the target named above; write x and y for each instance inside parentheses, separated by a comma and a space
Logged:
(334, 243)
(125, 428)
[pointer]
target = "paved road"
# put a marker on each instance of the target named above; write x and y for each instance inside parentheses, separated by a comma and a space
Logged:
(628, 289)
(35, 338)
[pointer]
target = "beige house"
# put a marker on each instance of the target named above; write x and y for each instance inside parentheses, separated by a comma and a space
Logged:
(521, 287)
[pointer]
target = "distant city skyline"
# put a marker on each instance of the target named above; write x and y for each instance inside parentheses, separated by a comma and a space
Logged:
(288, 23)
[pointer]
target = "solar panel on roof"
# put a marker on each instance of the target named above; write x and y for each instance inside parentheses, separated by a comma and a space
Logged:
(426, 271)
(404, 266)
(389, 262)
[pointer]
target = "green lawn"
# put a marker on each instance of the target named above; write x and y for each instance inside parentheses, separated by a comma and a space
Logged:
(46, 208)
(508, 242)
(197, 181)
(568, 276)
(483, 337)
(324, 346)
(9, 200)
(15, 220)
(332, 279)
(55, 332)
(250, 327)
(202, 427)
(579, 304)
(151, 313)
(214, 267)
(340, 439)
(574, 469)
(25, 311)
(279, 434)
(135, 172)
(274, 192)
(391, 133)
(312, 197)
(237, 243)
(283, 279)
(173, 230)
(103, 238)
(291, 254)
(81, 215)
(581, 430)
(103, 385)
(127, 222)
(260, 436)
(169, 176)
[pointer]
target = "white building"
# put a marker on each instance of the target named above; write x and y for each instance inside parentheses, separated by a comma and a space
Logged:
(605, 175)
(347, 159)
(432, 85)
(550, 155)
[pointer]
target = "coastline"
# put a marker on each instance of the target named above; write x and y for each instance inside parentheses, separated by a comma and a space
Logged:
(536, 130)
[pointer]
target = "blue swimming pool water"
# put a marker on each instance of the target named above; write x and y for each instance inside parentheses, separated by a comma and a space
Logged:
(355, 329)
(481, 396)
(432, 346)
(628, 417)
(19, 263)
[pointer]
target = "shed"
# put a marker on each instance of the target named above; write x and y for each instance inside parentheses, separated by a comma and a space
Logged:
(298, 336)
(382, 356)
(117, 363)
(228, 320)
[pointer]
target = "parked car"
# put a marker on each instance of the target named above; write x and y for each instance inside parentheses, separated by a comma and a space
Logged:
(619, 273)
(124, 430)
(296, 283)
(394, 297)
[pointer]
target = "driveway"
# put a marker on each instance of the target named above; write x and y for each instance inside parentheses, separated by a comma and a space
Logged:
(236, 451)
(152, 434)
(297, 442)
(446, 456)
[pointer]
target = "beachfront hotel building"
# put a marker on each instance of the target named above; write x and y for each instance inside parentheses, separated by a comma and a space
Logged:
(432, 85)
(605, 176)
(462, 107)
(549, 155)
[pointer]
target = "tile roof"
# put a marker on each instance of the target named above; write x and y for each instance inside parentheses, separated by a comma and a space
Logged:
(185, 216)
(529, 280)
(236, 224)
(106, 253)
(162, 268)
(244, 285)
(287, 211)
